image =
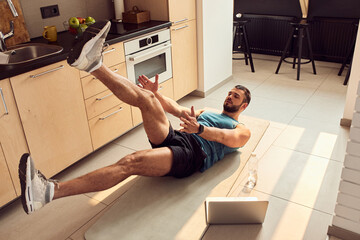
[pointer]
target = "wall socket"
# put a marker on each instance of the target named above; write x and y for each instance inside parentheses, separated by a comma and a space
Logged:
(50, 11)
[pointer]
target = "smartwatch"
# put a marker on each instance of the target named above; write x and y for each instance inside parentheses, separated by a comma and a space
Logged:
(201, 129)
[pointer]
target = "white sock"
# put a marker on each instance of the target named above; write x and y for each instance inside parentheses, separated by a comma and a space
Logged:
(51, 187)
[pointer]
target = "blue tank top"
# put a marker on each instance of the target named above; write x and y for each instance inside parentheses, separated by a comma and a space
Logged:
(215, 151)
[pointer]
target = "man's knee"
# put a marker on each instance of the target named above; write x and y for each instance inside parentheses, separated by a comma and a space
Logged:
(149, 101)
(130, 163)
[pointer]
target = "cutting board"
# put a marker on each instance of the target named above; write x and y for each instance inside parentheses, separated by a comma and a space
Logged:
(21, 34)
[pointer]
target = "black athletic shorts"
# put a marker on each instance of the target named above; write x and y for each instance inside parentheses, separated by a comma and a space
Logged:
(188, 155)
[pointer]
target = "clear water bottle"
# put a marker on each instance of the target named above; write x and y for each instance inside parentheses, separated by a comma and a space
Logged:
(252, 175)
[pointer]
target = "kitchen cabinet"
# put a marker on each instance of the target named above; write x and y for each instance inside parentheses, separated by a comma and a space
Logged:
(12, 143)
(165, 88)
(7, 190)
(110, 124)
(92, 86)
(52, 111)
(181, 11)
(108, 117)
(184, 58)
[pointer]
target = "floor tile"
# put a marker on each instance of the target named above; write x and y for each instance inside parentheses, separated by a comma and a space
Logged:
(135, 139)
(80, 233)
(287, 91)
(55, 221)
(271, 134)
(297, 177)
(307, 78)
(318, 138)
(273, 110)
(324, 109)
(284, 220)
(105, 156)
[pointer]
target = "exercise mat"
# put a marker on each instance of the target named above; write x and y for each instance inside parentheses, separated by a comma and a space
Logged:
(170, 208)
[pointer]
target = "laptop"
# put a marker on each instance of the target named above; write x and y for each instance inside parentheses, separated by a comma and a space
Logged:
(235, 210)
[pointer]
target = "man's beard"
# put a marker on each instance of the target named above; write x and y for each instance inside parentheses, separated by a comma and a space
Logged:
(231, 109)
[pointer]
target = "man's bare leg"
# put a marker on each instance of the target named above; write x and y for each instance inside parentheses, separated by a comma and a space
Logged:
(36, 190)
(155, 121)
(153, 162)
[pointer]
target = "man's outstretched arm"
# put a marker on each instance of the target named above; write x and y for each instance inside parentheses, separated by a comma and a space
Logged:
(236, 137)
(168, 104)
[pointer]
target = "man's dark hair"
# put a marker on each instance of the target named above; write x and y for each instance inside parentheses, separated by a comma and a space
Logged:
(247, 93)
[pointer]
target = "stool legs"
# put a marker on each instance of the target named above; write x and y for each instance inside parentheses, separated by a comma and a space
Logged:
(310, 51)
(285, 50)
(300, 36)
(239, 37)
(300, 31)
(248, 50)
(348, 57)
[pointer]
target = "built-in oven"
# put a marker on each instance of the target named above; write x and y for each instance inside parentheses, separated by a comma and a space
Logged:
(149, 55)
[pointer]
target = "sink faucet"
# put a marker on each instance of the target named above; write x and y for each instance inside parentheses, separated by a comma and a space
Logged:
(3, 37)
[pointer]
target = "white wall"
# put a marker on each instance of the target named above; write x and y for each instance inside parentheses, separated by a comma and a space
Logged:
(353, 81)
(99, 9)
(347, 210)
(214, 26)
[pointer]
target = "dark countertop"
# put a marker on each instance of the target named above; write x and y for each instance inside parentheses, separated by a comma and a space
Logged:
(118, 32)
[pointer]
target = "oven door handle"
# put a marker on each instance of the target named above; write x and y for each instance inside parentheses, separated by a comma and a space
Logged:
(138, 56)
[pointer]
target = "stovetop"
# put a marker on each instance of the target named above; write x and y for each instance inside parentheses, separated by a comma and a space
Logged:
(120, 28)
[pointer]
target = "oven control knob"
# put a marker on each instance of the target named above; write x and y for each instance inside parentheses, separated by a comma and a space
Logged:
(149, 40)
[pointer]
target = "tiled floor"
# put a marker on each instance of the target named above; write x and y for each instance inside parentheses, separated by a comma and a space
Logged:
(300, 158)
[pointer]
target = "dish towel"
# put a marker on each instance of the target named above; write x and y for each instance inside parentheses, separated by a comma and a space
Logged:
(4, 58)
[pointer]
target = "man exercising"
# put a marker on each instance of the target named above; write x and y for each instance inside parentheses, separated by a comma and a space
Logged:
(204, 138)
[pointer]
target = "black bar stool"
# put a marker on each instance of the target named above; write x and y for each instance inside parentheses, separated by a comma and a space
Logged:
(241, 43)
(348, 58)
(299, 31)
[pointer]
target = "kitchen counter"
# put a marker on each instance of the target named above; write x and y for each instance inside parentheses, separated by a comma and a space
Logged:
(118, 32)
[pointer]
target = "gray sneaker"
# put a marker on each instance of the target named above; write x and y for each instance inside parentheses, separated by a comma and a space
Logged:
(36, 190)
(86, 54)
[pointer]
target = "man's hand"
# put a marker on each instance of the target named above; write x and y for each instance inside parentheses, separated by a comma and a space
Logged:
(147, 84)
(189, 124)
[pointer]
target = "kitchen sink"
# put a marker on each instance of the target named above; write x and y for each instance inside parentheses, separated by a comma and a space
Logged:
(29, 52)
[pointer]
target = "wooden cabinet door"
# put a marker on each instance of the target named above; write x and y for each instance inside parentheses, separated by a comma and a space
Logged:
(53, 114)
(110, 124)
(7, 191)
(182, 10)
(184, 58)
(12, 138)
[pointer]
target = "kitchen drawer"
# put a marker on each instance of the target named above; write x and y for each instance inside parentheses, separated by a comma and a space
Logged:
(165, 88)
(113, 55)
(100, 103)
(92, 86)
(110, 124)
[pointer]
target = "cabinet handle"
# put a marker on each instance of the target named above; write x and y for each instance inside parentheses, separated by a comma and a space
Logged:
(46, 72)
(176, 29)
(106, 96)
(103, 118)
(182, 20)
(3, 99)
(108, 51)
(161, 87)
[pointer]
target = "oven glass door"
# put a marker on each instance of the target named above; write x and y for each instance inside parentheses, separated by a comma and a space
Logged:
(151, 66)
(156, 60)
